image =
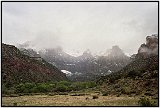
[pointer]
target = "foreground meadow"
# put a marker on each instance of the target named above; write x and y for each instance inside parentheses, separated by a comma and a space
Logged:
(72, 99)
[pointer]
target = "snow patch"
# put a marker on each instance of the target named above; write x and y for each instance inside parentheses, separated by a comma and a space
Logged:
(70, 64)
(68, 73)
(109, 71)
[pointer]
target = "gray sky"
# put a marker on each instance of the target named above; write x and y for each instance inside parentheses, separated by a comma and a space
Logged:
(79, 26)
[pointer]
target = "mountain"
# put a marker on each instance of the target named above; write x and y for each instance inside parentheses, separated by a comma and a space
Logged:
(116, 53)
(85, 56)
(30, 52)
(57, 57)
(114, 60)
(86, 66)
(75, 66)
(139, 77)
(18, 67)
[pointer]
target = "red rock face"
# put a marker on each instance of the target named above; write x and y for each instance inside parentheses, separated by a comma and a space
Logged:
(17, 68)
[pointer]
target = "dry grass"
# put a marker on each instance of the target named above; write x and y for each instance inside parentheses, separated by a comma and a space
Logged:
(68, 100)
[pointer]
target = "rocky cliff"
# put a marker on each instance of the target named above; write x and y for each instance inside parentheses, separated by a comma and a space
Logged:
(150, 48)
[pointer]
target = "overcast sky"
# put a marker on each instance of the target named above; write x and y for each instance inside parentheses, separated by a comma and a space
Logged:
(79, 26)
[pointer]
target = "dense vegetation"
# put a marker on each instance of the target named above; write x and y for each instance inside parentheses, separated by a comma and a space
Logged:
(62, 86)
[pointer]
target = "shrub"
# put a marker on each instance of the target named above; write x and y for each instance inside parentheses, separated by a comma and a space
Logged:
(95, 97)
(79, 94)
(133, 74)
(90, 84)
(66, 83)
(13, 95)
(51, 94)
(126, 90)
(24, 88)
(154, 74)
(34, 90)
(20, 88)
(118, 94)
(146, 102)
(43, 87)
(15, 104)
(63, 93)
(61, 88)
(29, 85)
(105, 94)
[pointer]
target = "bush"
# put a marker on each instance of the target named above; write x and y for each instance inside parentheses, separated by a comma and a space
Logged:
(33, 88)
(43, 88)
(95, 97)
(61, 88)
(146, 102)
(51, 94)
(105, 94)
(63, 93)
(15, 104)
(80, 94)
(20, 88)
(118, 95)
(126, 90)
(66, 83)
(133, 74)
(82, 85)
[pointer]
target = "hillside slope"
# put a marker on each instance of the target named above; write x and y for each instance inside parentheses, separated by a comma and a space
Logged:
(140, 77)
(17, 67)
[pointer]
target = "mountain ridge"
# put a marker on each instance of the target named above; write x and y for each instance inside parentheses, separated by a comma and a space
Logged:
(17, 67)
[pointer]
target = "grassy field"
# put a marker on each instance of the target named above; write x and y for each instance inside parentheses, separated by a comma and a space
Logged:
(71, 99)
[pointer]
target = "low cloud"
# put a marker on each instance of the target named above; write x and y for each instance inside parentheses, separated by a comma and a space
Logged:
(79, 26)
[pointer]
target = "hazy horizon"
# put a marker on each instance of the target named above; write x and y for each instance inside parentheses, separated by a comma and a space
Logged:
(79, 26)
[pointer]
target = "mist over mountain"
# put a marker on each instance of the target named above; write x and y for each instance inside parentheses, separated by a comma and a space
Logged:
(80, 26)
(84, 67)
(80, 53)
(88, 66)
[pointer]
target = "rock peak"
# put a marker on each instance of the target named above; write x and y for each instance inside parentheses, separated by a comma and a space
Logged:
(150, 47)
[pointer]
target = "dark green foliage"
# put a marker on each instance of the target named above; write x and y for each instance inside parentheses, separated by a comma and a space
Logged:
(66, 83)
(24, 88)
(134, 73)
(146, 102)
(62, 86)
